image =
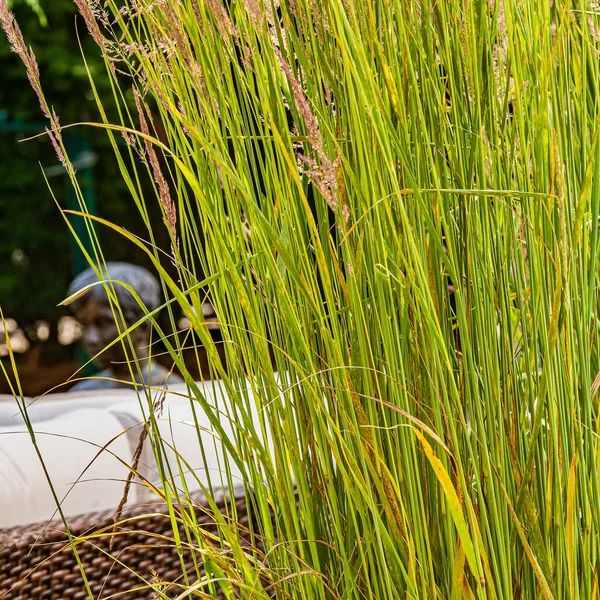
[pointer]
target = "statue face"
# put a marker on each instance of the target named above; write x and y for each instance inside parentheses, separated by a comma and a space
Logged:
(99, 329)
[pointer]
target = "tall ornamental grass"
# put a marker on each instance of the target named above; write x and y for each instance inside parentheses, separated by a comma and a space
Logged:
(395, 206)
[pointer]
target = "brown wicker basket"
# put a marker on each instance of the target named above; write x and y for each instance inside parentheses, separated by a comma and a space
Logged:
(37, 562)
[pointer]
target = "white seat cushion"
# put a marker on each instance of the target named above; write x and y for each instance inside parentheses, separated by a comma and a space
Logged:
(70, 446)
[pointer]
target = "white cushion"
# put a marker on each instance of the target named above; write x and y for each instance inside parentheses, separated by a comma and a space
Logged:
(52, 405)
(183, 440)
(25, 495)
(98, 417)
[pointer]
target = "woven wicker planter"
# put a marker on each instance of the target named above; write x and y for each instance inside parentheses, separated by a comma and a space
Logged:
(37, 562)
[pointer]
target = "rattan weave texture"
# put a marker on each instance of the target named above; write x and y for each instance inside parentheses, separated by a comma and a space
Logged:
(37, 562)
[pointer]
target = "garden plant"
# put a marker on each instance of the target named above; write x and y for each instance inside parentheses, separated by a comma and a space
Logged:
(393, 205)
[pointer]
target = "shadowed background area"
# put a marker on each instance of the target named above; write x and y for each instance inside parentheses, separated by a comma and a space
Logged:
(38, 257)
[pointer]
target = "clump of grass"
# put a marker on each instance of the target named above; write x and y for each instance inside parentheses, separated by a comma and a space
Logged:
(395, 206)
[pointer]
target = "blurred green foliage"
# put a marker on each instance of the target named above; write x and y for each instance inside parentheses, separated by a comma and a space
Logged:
(36, 251)
(53, 36)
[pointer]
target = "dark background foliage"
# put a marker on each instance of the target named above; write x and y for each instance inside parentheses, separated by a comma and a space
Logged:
(37, 255)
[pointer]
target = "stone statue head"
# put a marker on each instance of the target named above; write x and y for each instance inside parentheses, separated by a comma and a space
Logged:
(99, 320)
